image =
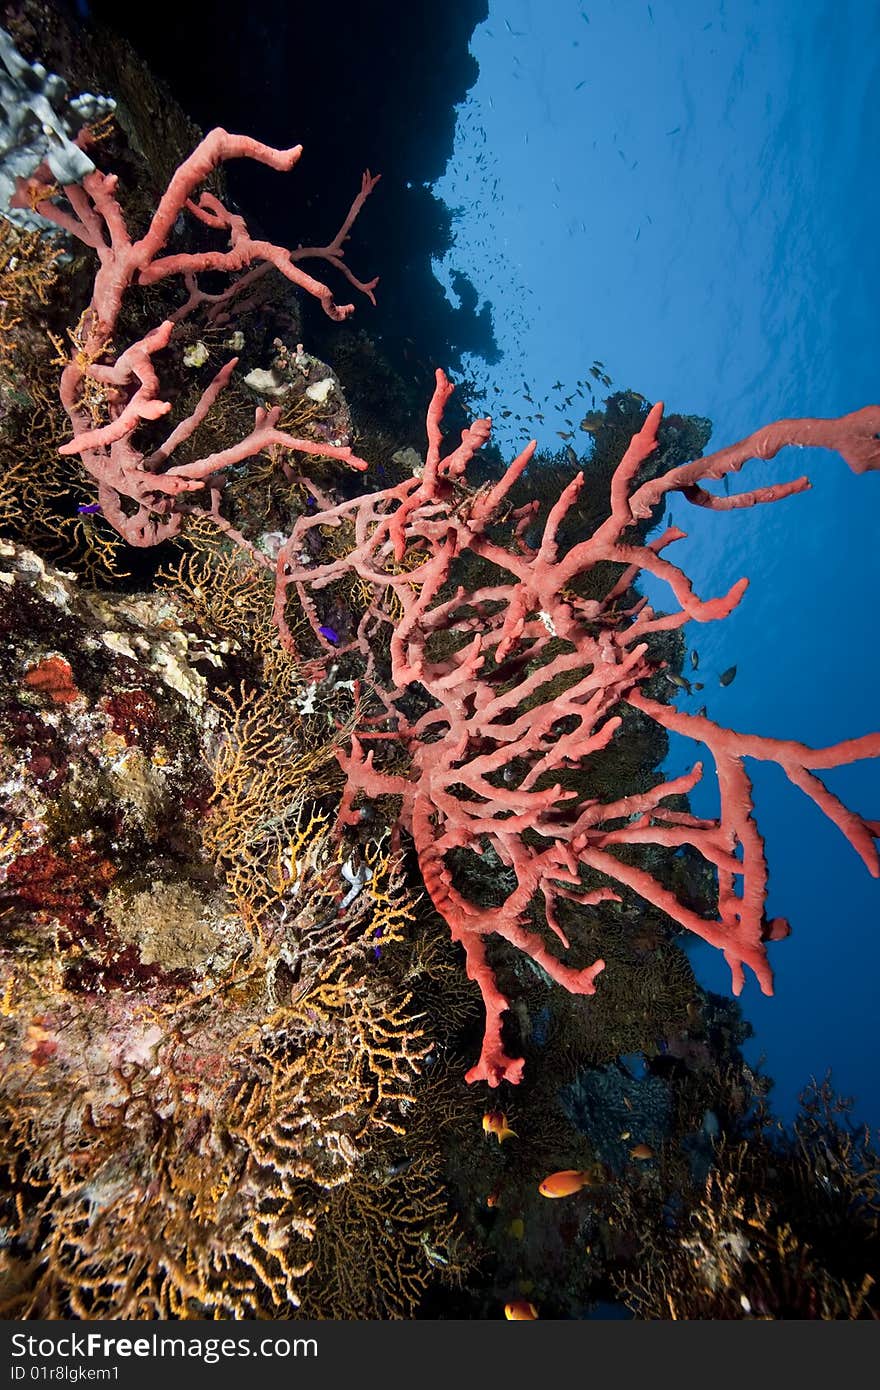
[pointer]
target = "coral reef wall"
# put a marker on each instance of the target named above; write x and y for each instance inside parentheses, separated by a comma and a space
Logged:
(261, 848)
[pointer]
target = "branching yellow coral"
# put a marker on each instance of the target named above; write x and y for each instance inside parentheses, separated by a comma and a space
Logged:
(28, 272)
(382, 1240)
(171, 1157)
(262, 828)
(232, 595)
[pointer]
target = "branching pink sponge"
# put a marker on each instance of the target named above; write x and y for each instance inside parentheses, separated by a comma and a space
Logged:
(108, 393)
(522, 678)
(483, 758)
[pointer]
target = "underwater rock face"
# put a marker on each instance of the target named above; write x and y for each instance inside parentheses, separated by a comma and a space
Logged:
(189, 1077)
(104, 723)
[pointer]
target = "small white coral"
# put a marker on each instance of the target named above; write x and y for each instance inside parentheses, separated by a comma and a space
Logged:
(320, 390)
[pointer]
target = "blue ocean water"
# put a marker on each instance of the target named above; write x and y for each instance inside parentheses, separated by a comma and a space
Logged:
(687, 191)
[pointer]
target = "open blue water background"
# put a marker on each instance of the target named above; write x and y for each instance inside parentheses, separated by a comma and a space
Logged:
(689, 192)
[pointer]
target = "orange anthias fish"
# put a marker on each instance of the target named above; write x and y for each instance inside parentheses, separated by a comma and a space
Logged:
(642, 1151)
(496, 1123)
(520, 1310)
(567, 1182)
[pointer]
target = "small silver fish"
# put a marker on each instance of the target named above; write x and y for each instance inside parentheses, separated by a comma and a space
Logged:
(680, 681)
